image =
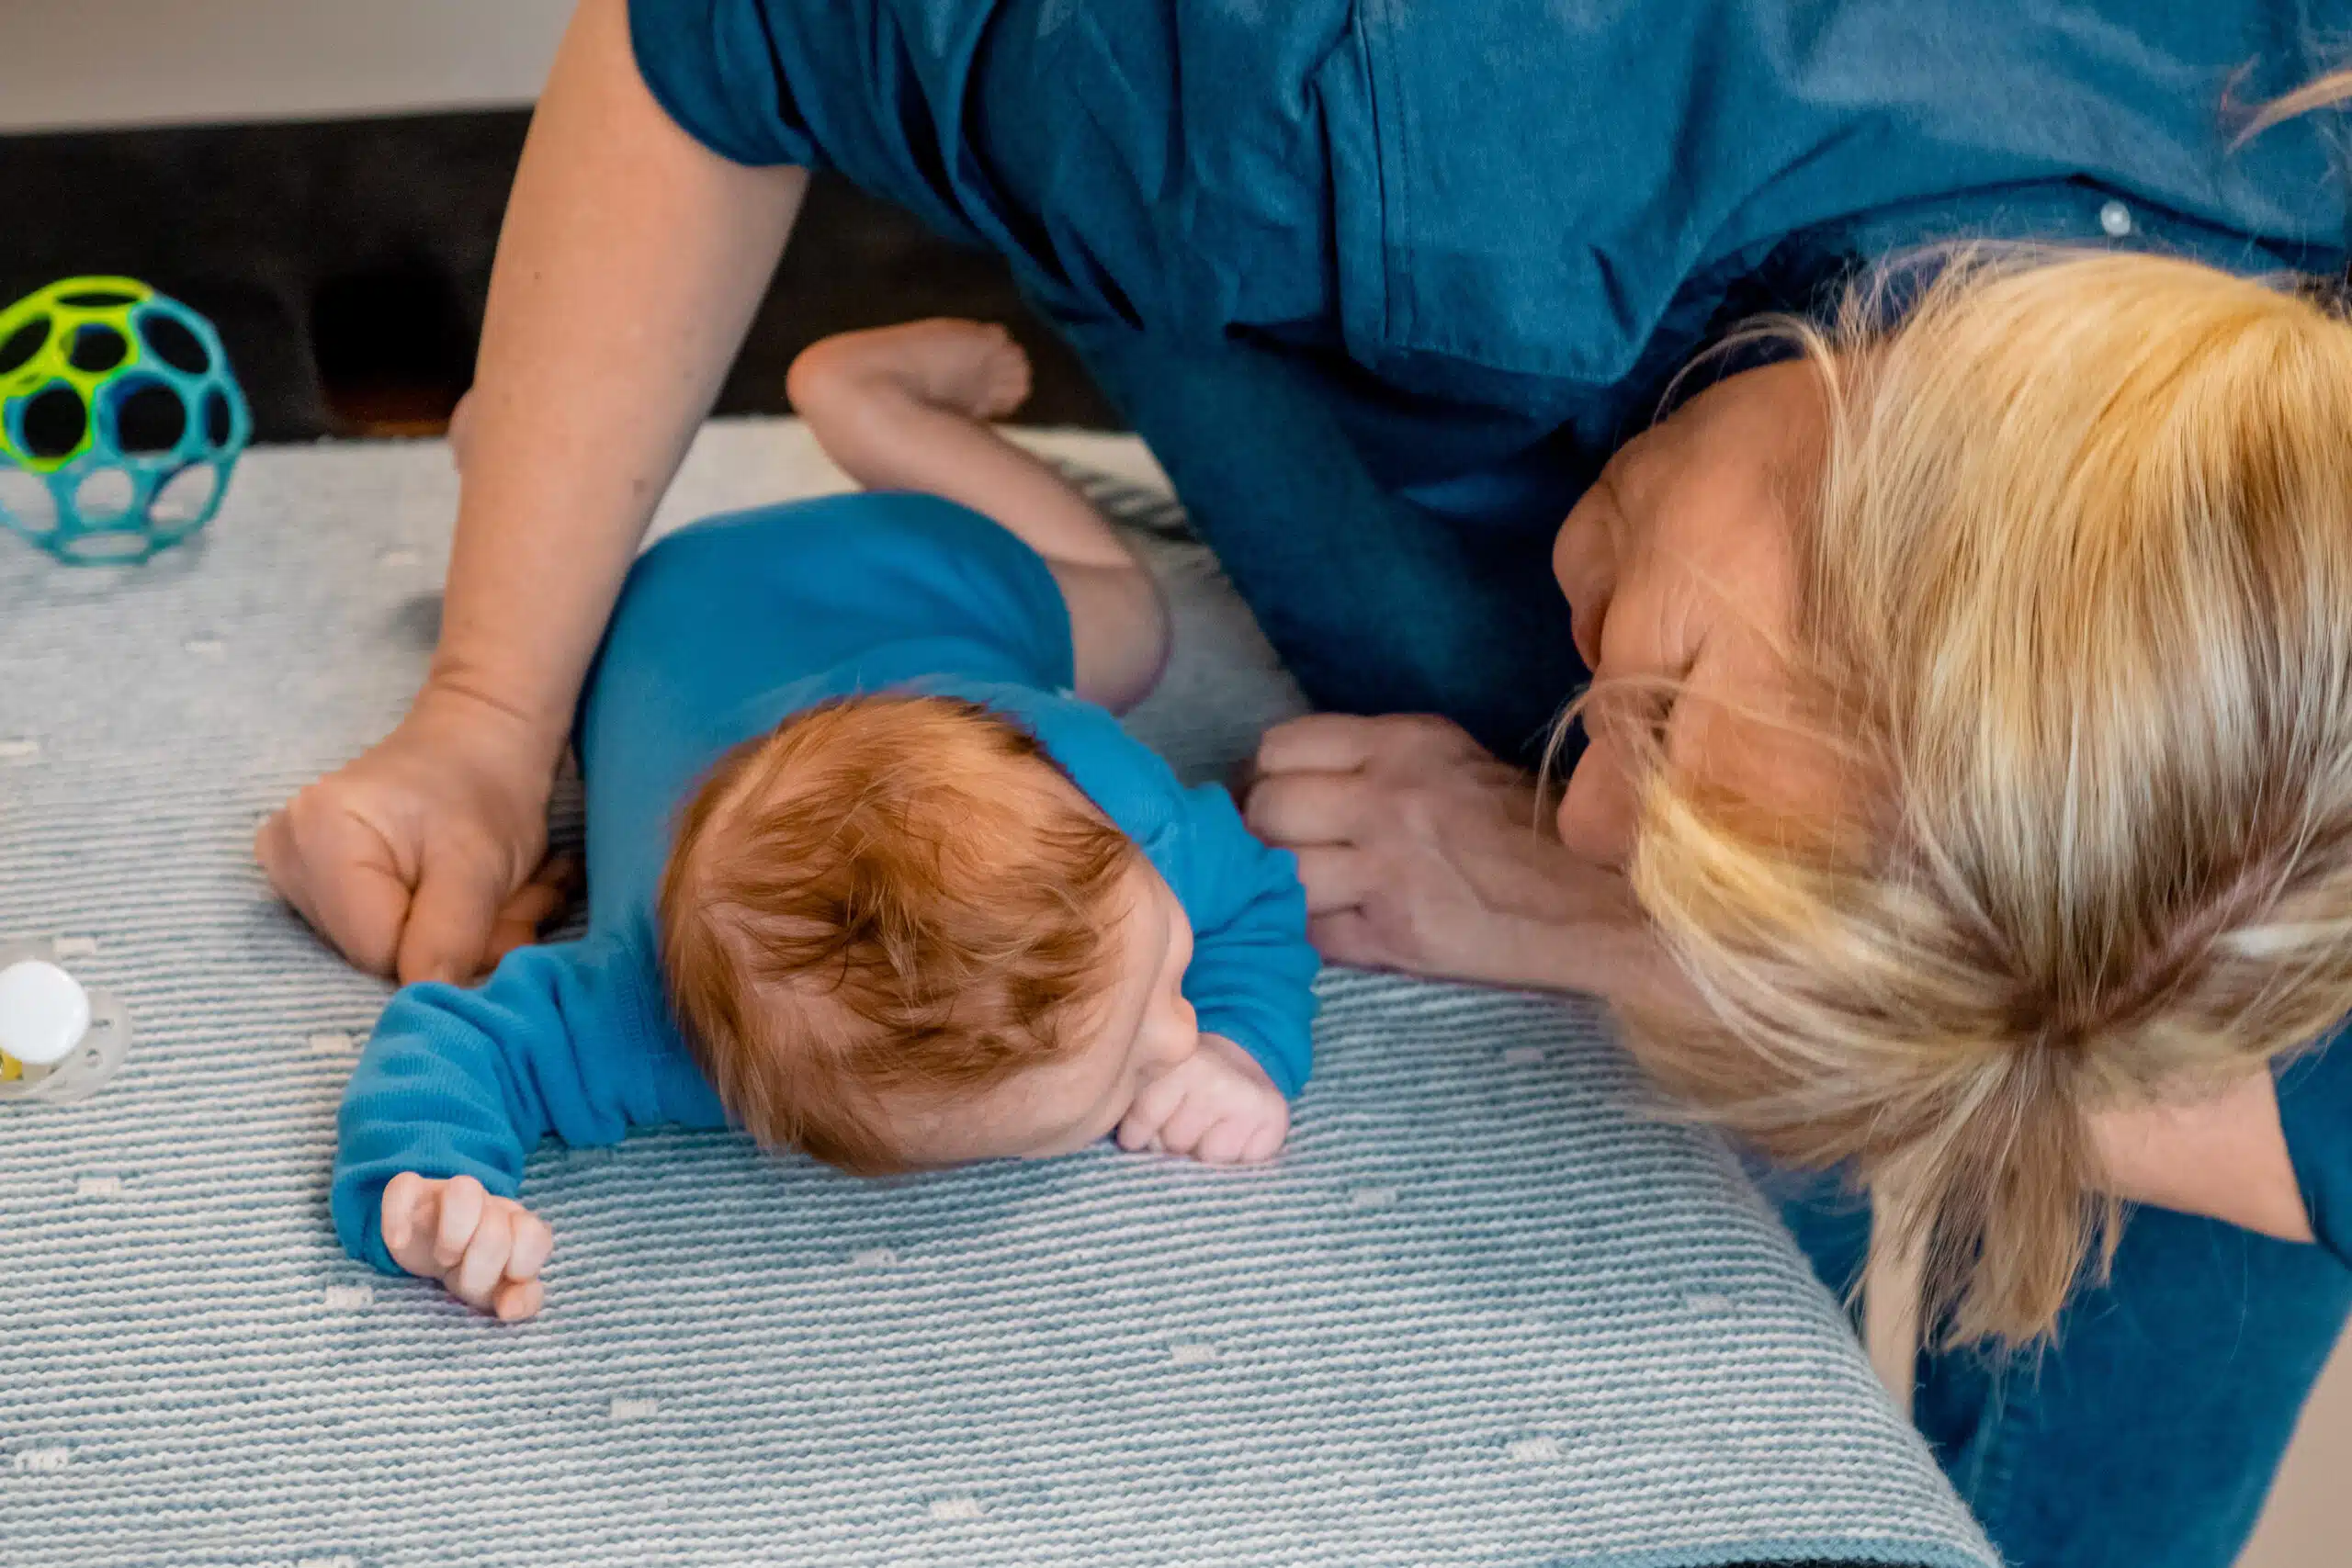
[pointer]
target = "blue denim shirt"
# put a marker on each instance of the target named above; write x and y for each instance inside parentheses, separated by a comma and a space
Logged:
(1384, 283)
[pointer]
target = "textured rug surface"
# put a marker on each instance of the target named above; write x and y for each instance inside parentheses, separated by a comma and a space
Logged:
(1482, 1313)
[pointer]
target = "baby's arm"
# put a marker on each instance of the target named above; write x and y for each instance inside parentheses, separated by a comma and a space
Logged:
(457, 1086)
(484, 1250)
(907, 408)
(1252, 975)
(1252, 981)
(1216, 1106)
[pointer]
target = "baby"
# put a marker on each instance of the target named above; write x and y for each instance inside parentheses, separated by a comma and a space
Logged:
(873, 872)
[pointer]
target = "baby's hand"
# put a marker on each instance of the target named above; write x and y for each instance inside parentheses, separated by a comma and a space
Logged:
(485, 1251)
(1218, 1106)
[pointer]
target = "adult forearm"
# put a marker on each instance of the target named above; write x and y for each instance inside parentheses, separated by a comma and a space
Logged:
(631, 263)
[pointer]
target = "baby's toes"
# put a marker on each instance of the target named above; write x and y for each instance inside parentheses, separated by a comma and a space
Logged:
(1005, 381)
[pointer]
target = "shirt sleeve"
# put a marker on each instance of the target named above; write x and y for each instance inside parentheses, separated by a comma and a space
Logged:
(2315, 1108)
(1252, 975)
(571, 1040)
(722, 70)
(874, 90)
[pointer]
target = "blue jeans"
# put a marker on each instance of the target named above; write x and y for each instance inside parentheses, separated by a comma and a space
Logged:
(2147, 1435)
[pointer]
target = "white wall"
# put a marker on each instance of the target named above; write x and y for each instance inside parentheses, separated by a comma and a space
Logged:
(95, 62)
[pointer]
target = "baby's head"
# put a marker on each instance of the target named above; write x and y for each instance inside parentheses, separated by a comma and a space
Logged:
(899, 937)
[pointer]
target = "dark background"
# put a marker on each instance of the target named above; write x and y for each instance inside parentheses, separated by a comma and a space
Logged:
(346, 263)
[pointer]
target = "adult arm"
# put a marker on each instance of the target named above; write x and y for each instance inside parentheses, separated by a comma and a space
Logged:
(630, 262)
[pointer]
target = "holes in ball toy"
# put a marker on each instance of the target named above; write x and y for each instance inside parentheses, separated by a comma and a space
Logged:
(97, 349)
(183, 498)
(104, 496)
(120, 544)
(217, 422)
(26, 501)
(98, 300)
(148, 416)
(23, 344)
(54, 421)
(172, 343)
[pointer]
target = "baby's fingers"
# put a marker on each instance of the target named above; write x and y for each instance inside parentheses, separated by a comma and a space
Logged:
(484, 1265)
(1189, 1123)
(518, 1299)
(1222, 1143)
(409, 1214)
(462, 1200)
(519, 1293)
(1266, 1139)
(1148, 1115)
(532, 1242)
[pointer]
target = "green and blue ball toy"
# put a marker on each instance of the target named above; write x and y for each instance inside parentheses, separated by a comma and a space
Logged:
(121, 419)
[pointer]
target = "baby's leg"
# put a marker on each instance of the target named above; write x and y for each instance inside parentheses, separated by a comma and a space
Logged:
(971, 368)
(907, 408)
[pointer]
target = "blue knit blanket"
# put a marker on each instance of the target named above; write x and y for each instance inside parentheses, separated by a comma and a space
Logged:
(1486, 1311)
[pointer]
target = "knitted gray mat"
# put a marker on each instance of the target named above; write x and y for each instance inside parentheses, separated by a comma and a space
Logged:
(1482, 1313)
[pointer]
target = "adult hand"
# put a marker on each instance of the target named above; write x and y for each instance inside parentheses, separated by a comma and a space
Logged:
(417, 859)
(1420, 852)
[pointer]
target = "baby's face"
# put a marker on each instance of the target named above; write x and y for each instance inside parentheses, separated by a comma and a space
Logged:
(1141, 1030)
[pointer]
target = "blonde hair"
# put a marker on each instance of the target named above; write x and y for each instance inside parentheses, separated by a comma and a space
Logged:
(2075, 614)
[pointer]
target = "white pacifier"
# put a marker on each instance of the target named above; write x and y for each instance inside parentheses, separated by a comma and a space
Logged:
(58, 1042)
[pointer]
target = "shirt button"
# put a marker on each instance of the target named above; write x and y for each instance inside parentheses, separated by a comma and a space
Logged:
(2116, 219)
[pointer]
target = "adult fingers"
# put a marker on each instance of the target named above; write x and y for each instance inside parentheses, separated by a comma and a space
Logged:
(456, 906)
(1310, 809)
(340, 874)
(1316, 743)
(522, 916)
(1337, 742)
(547, 895)
(1346, 937)
(1336, 876)
(484, 1265)
(462, 1202)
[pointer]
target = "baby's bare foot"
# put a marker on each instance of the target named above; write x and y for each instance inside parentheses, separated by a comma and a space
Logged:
(973, 368)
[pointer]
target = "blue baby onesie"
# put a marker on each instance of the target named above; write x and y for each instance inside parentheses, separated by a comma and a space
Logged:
(722, 631)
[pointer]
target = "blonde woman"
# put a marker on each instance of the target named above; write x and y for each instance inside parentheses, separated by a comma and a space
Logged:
(1940, 659)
